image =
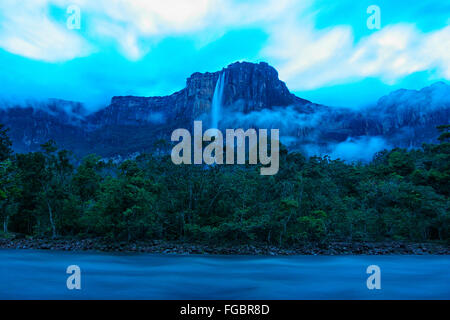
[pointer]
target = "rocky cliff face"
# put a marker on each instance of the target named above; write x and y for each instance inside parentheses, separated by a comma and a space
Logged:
(36, 122)
(253, 96)
(248, 87)
(410, 117)
(254, 87)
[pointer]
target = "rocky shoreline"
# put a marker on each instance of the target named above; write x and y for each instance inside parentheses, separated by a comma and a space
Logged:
(162, 247)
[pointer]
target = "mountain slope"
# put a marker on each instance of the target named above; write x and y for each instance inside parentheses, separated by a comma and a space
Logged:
(253, 96)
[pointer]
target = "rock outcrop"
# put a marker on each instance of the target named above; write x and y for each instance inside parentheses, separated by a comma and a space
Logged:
(253, 96)
(248, 87)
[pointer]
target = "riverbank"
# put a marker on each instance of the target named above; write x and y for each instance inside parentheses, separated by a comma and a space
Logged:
(162, 247)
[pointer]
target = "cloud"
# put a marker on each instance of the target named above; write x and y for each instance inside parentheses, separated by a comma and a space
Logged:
(310, 133)
(287, 119)
(27, 30)
(138, 25)
(361, 148)
(307, 57)
(133, 25)
(436, 48)
(358, 149)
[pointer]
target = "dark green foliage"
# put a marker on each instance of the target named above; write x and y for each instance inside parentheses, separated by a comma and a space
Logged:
(5, 144)
(400, 195)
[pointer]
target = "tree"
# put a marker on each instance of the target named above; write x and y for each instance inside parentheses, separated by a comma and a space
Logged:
(9, 191)
(400, 195)
(54, 181)
(313, 226)
(5, 143)
(86, 181)
(401, 162)
(288, 209)
(444, 131)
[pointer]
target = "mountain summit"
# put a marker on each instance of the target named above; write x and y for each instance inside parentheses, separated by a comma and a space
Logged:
(247, 87)
(252, 96)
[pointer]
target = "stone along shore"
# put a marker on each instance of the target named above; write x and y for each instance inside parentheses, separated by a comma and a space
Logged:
(163, 247)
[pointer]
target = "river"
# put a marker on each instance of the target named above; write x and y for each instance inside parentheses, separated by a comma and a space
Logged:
(29, 274)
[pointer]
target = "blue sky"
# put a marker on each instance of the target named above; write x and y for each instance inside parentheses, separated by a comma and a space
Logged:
(323, 50)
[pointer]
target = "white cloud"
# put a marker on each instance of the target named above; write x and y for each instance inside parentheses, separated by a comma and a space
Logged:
(153, 20)
(26, 30)
(309, 59)
(134, 25)
(436, 49)
(358, 149)
(306, 58)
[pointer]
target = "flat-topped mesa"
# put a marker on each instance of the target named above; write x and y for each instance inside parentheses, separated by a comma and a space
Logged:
(134, 110)
(247, 87)
(132, 124)
(255, 87)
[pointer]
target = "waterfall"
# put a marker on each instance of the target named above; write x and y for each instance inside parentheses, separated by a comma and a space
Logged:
(217, 101)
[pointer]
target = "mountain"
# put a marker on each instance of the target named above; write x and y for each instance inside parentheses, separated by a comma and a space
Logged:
(248, 87)
(33, 123)
(410, 117)
(252, 96)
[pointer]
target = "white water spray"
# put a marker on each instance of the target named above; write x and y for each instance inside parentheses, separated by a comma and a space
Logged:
(217, 101)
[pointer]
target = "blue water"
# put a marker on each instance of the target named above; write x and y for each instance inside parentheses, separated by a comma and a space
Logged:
(27, 274)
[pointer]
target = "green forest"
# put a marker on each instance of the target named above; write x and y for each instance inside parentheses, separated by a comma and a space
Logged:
(400, 195)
